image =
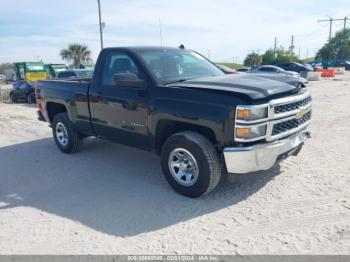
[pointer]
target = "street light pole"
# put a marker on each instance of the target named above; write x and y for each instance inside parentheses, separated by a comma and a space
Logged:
(99, 18)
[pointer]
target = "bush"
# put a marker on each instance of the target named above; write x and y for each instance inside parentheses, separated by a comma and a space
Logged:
(281, 55)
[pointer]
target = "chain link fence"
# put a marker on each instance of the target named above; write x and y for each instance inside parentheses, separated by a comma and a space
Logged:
(5, 93)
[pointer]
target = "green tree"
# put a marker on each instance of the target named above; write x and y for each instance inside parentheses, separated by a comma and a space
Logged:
(285, 56)
(252, 59)
(76, 53)
(337, 48)
(268, 58)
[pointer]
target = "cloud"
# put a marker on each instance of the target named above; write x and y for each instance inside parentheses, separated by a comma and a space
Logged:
(225, 28)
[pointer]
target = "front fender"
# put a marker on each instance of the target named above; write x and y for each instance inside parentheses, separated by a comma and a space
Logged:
(215, 117)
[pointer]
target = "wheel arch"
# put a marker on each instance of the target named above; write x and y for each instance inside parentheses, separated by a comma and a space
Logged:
(166, 128)
(53, 108)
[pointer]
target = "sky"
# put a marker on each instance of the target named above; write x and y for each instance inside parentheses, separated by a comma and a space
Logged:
(223, 30)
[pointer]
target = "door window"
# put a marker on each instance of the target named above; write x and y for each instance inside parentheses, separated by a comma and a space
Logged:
(267, 69)
(66, 74)
(24, 86)
(118, 63)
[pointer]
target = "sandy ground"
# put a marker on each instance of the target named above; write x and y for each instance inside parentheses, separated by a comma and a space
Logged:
(111, 199)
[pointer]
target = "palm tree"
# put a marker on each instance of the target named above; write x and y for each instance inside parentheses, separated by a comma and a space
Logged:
(76, 53)
(253, 59)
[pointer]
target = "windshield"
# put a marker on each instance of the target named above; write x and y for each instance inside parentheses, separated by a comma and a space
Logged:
(84, 73)
(34, 67)
(280, 68)
(170, 66)
(59, 68)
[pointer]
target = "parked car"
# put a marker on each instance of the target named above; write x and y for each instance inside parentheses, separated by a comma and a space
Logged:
(345, 64)
(22, 90)
(296, 67)
(75, 73)
(292, 80)
(243, 69)
(271, 69)
(176, 103)
(226, 69)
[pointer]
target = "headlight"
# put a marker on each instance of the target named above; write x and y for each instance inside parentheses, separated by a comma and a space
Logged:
(250, 113)
(250, 132)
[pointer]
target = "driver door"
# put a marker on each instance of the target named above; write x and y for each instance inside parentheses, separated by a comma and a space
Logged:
(120, 113)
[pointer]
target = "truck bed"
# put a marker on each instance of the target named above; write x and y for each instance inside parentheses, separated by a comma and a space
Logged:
(72, 93)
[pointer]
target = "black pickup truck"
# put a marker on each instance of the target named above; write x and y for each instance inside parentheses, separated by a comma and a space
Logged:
(176, 103)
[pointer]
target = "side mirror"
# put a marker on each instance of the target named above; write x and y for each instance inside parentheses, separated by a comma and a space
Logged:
(128, 80)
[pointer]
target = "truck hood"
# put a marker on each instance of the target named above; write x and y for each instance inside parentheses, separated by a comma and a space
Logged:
(282, 78)
(253, 87)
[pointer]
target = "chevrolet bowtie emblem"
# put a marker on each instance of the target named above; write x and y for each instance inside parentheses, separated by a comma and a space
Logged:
(301, 113)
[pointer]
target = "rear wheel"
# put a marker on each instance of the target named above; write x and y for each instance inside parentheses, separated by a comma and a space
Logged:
(66, 138)
(190, 164)
(29, 99)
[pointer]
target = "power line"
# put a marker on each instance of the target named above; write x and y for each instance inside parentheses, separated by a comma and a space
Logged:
(330, 21)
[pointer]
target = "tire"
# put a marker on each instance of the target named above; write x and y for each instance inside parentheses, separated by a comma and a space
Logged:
(67, 139)
(12, 99)
(29, 99)
(203, 158)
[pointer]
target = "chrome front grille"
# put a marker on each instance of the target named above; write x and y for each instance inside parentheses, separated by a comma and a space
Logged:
(292, 106)
(289, 115)
(290, 124)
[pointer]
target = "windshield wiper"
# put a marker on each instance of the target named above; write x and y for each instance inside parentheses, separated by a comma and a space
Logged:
(180, 80)
(177, 81)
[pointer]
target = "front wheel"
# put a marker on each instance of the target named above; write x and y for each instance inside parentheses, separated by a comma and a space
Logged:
(190, 164)
(12, 99)
(66, 138)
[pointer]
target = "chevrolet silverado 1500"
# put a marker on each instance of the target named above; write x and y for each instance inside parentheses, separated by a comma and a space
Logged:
(176, 103)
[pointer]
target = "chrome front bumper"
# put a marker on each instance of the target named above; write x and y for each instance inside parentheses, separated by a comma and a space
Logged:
(242, 160)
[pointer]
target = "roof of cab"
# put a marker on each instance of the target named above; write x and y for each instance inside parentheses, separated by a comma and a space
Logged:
(143, 48)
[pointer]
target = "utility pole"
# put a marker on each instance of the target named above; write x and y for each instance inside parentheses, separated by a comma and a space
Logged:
(160, 33)
(291, 48)
(275, 48)
(99, 19)
(330, 21)
(307, 53)
(345, 18)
